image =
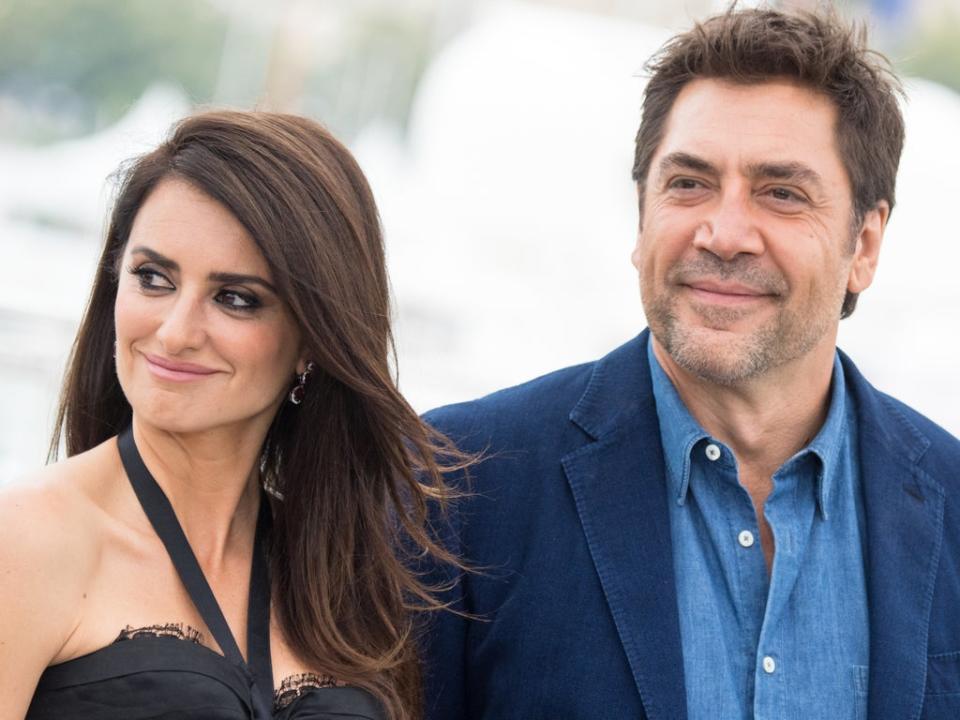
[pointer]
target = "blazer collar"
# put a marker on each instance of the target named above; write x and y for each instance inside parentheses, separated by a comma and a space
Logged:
(619, 392)
(620, 490)
(619, 486)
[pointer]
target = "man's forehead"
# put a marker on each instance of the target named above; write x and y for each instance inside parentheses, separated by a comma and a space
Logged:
(747, 125)
(707, 90)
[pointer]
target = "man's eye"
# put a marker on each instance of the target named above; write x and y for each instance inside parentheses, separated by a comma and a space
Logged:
(236, 300)
(785, 195)
(684, 184)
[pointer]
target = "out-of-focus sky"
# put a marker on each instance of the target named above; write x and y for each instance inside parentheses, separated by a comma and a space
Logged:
(497, 137)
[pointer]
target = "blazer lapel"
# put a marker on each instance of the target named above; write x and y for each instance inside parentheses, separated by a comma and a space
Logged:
(619, 487)
(904, 526)
(620, 491)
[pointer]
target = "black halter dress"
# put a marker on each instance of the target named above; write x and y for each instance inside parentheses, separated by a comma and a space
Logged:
(157, 677)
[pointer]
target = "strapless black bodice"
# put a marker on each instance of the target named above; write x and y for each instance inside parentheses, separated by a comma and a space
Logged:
(167, 678)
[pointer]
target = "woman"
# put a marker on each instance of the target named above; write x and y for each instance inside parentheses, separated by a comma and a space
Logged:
(243, 475)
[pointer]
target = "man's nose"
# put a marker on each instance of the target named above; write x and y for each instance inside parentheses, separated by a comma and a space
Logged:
(730, 227)
(183, 327)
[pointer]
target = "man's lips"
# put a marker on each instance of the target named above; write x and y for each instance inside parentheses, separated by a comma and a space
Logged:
(725, 292)
(174, 370)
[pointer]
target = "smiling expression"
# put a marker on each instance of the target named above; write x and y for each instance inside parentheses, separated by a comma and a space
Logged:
(746, 246)
(203, 340)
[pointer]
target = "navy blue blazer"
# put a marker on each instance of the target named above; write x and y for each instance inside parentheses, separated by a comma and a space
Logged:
(576, 599)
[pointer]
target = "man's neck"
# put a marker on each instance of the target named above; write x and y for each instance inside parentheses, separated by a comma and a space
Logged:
(764, 420)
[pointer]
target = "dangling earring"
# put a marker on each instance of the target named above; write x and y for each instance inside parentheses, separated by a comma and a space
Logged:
(300, 389)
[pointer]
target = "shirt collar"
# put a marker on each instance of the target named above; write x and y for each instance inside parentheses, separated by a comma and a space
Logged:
(679, 432)
(827, 442)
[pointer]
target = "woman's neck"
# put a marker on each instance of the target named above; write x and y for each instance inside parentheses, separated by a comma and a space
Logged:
(212, 481)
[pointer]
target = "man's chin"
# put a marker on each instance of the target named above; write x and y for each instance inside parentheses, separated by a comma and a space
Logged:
(725, 356)
(708, 331)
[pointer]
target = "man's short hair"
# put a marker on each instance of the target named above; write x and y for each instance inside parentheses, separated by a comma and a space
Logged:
(816, 50)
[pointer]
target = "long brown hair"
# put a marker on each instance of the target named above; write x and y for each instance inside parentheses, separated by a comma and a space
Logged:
(358, 471)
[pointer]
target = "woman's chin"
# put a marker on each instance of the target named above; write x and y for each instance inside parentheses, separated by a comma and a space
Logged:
(176, 414)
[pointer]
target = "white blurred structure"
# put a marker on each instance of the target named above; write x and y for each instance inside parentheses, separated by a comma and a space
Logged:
(53, 202)
(510, 216)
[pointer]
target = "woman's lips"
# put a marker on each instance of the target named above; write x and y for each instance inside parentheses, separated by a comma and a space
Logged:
(176, 371)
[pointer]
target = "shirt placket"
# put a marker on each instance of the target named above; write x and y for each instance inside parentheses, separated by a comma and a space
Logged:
(790, 517)
(737, 540)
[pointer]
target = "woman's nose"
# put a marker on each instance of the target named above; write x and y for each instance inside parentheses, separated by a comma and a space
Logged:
(183, 326)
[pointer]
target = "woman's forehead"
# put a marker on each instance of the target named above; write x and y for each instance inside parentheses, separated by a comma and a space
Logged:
(190, 228)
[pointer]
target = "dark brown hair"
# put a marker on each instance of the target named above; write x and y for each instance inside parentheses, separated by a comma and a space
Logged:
(358, 470)
(817, 50)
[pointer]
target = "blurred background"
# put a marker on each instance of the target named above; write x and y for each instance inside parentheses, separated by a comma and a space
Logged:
(498, 138)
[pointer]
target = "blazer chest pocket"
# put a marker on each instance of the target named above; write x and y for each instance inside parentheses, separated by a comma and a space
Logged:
(942, 698)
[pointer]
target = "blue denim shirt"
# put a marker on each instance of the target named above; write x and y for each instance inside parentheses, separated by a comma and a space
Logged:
(796, 644)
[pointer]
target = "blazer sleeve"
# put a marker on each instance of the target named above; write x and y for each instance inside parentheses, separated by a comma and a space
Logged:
(445, 635)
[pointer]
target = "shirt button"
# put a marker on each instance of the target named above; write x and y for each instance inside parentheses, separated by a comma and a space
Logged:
(745, 538)
(713, 452)
(769, 665)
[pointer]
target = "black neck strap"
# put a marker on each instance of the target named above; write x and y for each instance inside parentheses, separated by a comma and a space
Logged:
(161, 515)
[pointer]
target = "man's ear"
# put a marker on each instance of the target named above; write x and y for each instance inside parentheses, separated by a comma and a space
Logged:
(635, 254)
(866, 252)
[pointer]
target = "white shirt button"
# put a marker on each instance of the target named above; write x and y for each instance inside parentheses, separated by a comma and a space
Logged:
(769, 665)
(745, 538)
(713, 452)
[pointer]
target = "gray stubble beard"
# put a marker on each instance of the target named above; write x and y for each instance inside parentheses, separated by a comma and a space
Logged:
(773, 344)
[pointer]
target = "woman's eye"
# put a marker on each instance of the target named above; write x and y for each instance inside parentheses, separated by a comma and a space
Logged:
(151, 279)
(236, 300)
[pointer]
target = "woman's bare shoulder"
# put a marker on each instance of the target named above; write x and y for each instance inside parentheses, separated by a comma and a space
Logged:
(50, 541)
(49, 551)
(57, 503)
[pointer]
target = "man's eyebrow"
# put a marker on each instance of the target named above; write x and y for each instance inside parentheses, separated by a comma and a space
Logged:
(222, 277)
(793, 171)
(687, 162)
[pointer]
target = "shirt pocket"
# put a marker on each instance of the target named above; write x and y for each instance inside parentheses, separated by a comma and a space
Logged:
(861, 675)
(942, 700)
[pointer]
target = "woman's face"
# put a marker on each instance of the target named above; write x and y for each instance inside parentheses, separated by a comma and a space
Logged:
(203, 340)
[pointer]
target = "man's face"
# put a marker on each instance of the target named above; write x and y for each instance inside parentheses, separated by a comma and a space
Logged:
(746, 247)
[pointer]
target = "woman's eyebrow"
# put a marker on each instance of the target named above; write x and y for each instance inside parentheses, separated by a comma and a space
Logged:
(222, 277)
(161, 260)
(240, 279)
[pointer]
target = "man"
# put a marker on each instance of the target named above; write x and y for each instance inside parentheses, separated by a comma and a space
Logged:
(720, 519)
